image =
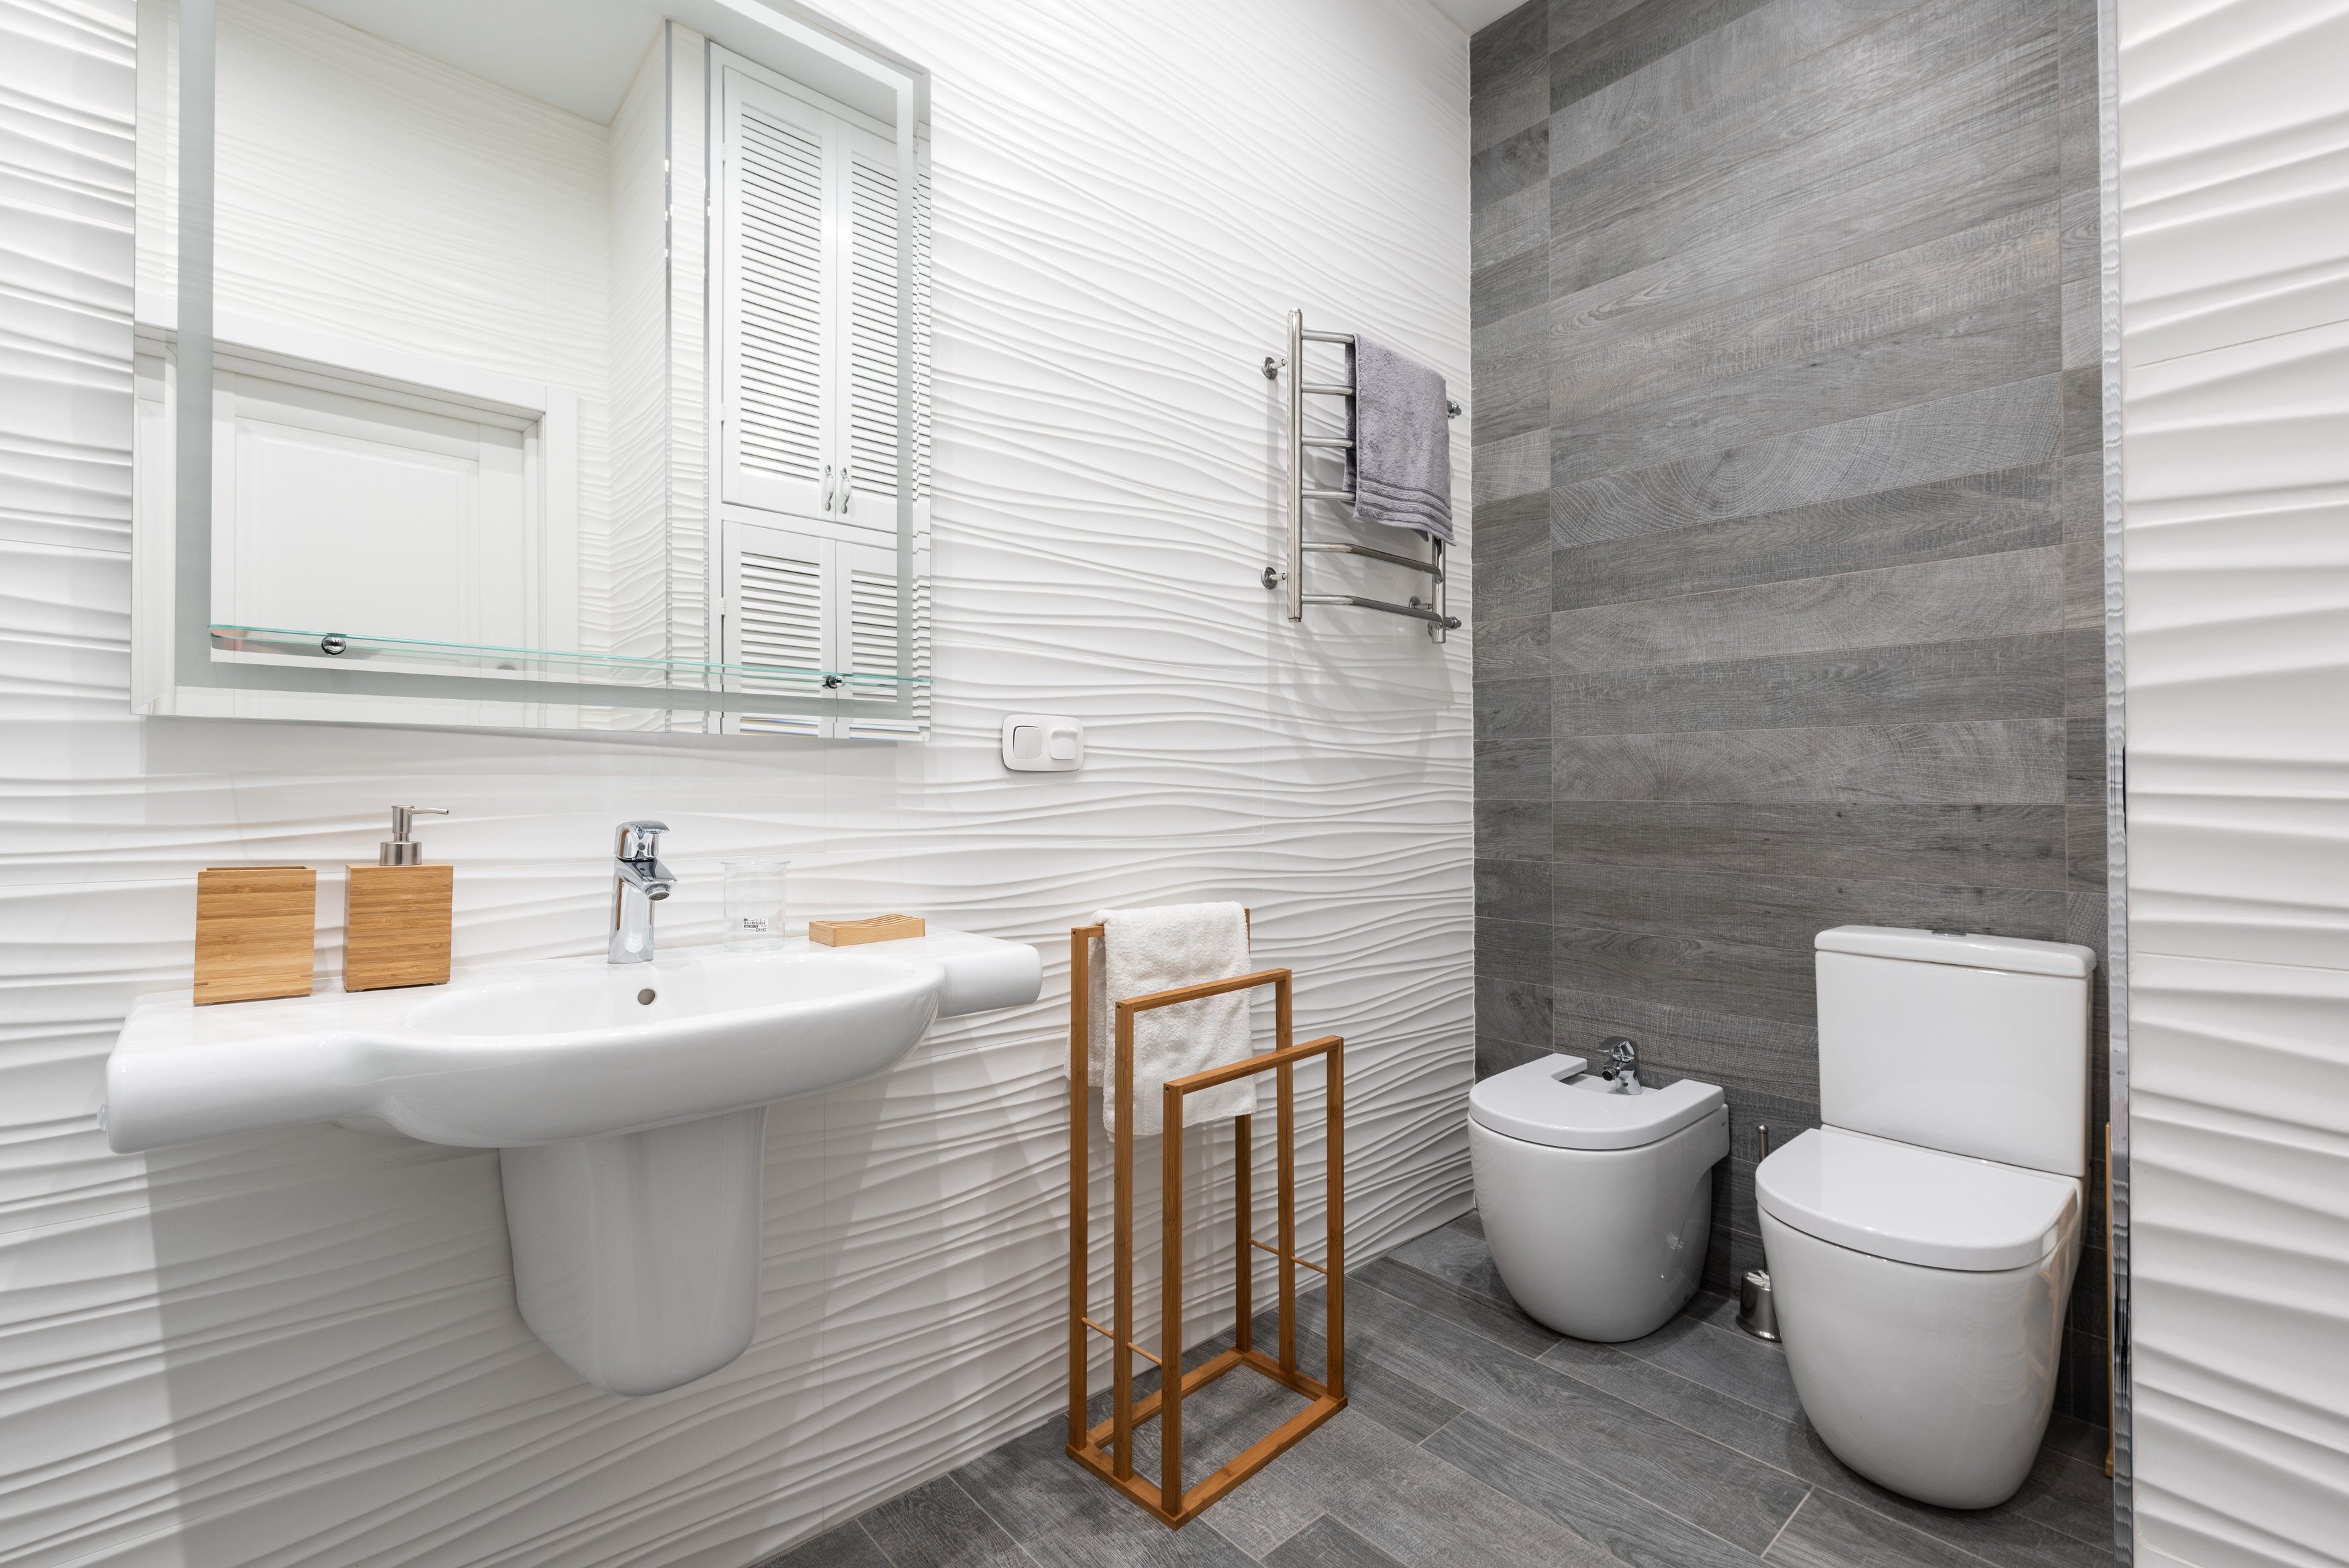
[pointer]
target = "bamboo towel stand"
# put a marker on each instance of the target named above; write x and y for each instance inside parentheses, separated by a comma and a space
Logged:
(1107, 1450)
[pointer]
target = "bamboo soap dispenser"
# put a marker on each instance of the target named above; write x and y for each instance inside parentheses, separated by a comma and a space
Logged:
(398, 914)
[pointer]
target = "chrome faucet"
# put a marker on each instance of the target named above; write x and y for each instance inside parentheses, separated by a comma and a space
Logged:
(638, 881)
(1622, 1062)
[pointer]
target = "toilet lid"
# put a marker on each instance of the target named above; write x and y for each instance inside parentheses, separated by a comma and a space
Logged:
(1916, 1205)
(1535, 1103)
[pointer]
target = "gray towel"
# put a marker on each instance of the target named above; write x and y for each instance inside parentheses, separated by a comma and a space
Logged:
(1401, 459)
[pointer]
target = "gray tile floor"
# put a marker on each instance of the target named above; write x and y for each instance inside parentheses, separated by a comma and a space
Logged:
(1473, 1435)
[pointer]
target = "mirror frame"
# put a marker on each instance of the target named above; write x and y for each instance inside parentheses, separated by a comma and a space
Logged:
(187, 680)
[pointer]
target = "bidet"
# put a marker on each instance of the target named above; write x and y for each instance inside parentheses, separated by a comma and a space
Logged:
(1596, 1194)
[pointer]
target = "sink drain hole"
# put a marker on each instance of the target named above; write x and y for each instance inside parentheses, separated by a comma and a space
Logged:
(644, 996)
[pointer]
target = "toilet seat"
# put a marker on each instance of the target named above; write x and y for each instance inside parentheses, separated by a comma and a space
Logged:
(1913, 1205)
(1536, 1104)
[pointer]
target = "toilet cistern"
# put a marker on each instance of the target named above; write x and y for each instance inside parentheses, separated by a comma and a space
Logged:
(638, 881)
(1622, 1062)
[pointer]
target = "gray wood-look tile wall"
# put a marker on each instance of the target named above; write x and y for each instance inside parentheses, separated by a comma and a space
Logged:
(1788, 560)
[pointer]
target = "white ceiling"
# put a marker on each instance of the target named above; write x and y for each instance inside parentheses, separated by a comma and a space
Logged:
(578, 55)
(1474, 14)
(581, 55)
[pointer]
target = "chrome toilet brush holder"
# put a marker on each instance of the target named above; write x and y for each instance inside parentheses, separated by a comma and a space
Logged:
(1757, 1315)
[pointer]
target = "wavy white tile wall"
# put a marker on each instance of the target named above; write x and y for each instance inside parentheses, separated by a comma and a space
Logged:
(639, 294)
(2234, 136)
(302, 1348)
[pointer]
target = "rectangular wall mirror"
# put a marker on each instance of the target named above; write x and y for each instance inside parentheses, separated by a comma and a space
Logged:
(547, 363)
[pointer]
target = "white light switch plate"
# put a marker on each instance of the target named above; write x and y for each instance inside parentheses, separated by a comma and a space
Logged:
(1043, 743)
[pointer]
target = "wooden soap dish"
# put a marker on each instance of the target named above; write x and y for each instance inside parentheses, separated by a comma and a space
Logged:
(877, 928)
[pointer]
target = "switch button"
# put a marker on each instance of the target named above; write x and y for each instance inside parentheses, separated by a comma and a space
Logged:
(1043, 743)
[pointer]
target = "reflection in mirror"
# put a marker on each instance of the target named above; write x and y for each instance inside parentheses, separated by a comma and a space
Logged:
(567, 366)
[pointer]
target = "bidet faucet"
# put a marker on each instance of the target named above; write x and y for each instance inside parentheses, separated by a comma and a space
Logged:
(1622, 1062)
(638, 881)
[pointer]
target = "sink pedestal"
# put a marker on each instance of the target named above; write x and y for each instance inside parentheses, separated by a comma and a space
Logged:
(636, 1256)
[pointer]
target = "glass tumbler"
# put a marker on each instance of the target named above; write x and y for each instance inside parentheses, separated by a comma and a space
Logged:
(754, 905)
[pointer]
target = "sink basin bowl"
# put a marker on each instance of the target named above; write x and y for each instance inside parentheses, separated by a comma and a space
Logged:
(627, 1103)
(718, 990)
(540, 1052)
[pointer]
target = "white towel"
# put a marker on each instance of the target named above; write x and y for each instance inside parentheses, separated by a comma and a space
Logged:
(1147, 950)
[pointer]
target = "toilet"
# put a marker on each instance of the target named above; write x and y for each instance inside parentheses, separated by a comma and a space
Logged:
(1922, 1243)
(1597, 1199)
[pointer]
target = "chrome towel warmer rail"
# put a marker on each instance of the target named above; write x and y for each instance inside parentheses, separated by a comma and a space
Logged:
(1439, 619)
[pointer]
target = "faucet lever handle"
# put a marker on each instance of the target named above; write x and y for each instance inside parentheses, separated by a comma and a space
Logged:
(640, 841)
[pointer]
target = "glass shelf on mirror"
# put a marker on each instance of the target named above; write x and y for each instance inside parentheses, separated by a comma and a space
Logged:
(276, 643)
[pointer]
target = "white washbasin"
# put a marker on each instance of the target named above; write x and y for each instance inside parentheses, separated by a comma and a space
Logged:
(627, 1102)
(538, 1053)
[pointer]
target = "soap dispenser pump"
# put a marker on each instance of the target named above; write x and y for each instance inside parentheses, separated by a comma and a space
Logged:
(399, 849)
(399, 913)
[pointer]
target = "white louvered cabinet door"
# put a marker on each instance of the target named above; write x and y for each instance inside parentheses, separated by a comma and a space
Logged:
(779, 250)
(779, 615)
(868, 323)
(872, 599)
(808, 242)
(812, 617)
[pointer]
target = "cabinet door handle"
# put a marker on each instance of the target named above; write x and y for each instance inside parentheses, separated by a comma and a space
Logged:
(827, 487)
(847, 487)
